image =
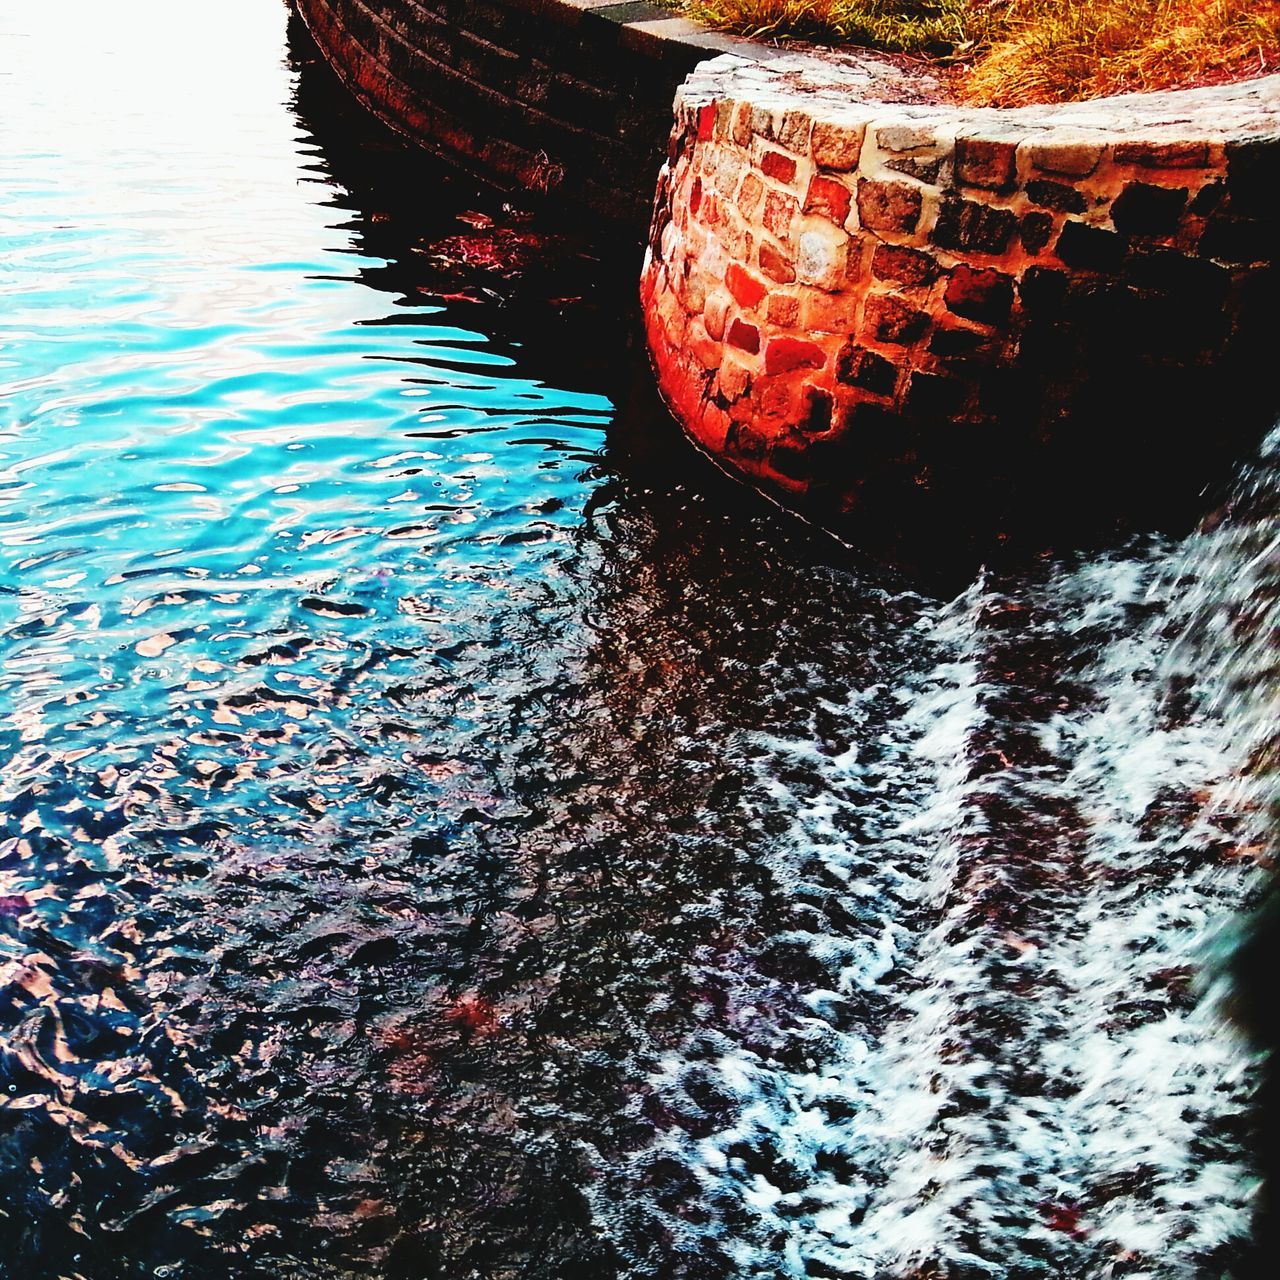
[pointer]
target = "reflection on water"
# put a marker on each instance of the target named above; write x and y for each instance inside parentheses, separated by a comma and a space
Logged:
(436, 845)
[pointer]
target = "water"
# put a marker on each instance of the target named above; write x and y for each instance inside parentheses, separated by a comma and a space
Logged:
(447, 833)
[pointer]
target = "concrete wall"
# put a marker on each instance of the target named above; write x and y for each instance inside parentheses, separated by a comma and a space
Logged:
(565, 98)
(918, 311)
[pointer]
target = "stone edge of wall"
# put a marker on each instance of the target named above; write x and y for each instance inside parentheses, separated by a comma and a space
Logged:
(830, 276)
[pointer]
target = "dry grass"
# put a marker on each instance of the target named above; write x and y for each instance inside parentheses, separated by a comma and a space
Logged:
(901, 26)
(1022, 51)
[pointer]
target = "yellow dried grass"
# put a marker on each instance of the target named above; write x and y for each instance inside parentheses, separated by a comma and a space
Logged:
(1013, 52)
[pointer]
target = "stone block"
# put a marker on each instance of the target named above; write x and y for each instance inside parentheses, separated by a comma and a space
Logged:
(858, 367)
(780, 211)
(744, 336)
(792, 461)
(794, 131)
(699, 343)
(910, 268)
(1035, 230)
(830, 312)
(784, 310)
(785, 355)
(750, 194)
(1089, 248)
(1163, 155)
(979, 294)
(775, 165)
(828, 198)
(821, 255)
(889, 206)
(905, 137)
(706, 122)
(735, 379)
(922, 168)
(935, 396)
(749, 290)
(1070, 159)
(1042, 289)
(724, 119)
(1143, 209)
(816, 405)
(891, 319)
(837, 146)
(741, 130)
(716, 315)
(972, 226)
(728, 170)
(1061, 196)
(777, 265)
(951, 343)
(773, 400)
(746, 441)
(1244, 241)
(1253, 176)
(1196, 282)
(1207, 199)
(762, 123)
(990, 163)
(734, 237)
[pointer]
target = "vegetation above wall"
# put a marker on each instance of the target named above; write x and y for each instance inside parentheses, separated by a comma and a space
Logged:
(1014, 52)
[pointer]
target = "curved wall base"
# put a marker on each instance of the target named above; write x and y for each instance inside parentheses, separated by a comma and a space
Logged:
(903, 315)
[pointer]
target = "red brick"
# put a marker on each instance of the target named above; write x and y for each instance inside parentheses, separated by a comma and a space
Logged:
(695, 195)
(748, 289)
(706, 121)
(786, 354)
(744, 336)
(775, 165)
(830, 198)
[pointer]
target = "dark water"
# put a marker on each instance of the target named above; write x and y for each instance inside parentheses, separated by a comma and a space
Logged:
(449, 833)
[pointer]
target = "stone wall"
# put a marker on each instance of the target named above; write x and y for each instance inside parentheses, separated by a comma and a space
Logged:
(564, 98)
(890, 311)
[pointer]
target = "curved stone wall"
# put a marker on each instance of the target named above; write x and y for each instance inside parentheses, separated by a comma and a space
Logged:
(568, 98)
(888, 310)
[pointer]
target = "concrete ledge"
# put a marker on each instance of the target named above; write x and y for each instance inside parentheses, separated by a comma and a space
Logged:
(886, 307)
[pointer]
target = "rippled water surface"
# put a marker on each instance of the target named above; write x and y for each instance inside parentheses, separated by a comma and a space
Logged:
(447, 834)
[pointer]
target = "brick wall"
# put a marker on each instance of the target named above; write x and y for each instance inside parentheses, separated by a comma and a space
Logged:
(914, 310)
(565, 98)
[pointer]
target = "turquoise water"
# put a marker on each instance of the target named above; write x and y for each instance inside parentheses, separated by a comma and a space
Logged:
(446, 832)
